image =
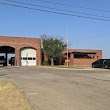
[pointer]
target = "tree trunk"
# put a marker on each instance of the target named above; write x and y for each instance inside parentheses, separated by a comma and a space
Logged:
(52, 62)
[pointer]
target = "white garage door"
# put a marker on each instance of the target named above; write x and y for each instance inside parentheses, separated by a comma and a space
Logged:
(28, 57)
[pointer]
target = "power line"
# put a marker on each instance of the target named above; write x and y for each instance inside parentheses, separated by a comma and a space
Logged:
(78, 41)
(92, 37)
(68, 5)
(55, 12)
(56, 9)
(106, 52)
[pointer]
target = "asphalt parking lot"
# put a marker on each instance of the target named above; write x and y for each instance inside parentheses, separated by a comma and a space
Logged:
(62, 89)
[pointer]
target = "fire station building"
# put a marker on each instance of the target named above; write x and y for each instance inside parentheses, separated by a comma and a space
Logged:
(27, 50)
(81, 57)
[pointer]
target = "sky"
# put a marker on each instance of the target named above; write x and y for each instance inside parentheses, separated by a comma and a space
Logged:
(83, 33)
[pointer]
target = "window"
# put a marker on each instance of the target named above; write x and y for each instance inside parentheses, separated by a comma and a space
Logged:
(24, 58)
(29, 58)
(84, 55)
(34, 58)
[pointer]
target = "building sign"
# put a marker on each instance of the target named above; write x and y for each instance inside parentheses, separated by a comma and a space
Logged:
(67, 60)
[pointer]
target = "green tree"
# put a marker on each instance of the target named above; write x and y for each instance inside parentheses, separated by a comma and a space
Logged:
(53, 46)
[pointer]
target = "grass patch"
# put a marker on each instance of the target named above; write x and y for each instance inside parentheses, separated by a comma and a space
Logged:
(12, 98)
(70, 67)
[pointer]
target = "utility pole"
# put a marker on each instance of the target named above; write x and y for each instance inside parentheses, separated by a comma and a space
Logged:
(67, 47)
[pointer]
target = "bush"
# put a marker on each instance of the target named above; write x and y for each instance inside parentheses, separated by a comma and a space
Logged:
(45, 63)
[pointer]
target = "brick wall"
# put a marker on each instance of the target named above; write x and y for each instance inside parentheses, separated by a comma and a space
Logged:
(83, 61)
(18, 43)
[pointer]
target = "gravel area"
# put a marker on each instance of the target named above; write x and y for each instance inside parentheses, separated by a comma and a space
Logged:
(62, 89)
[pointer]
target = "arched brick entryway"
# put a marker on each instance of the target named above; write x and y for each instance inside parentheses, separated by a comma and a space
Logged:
(5, 51)
(19, 43)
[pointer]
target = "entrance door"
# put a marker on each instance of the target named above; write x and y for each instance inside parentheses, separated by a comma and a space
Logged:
(28, 57)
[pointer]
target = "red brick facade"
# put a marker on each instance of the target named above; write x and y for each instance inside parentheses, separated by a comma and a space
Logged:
(75, 55)
(18, 43)
(93, 55)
